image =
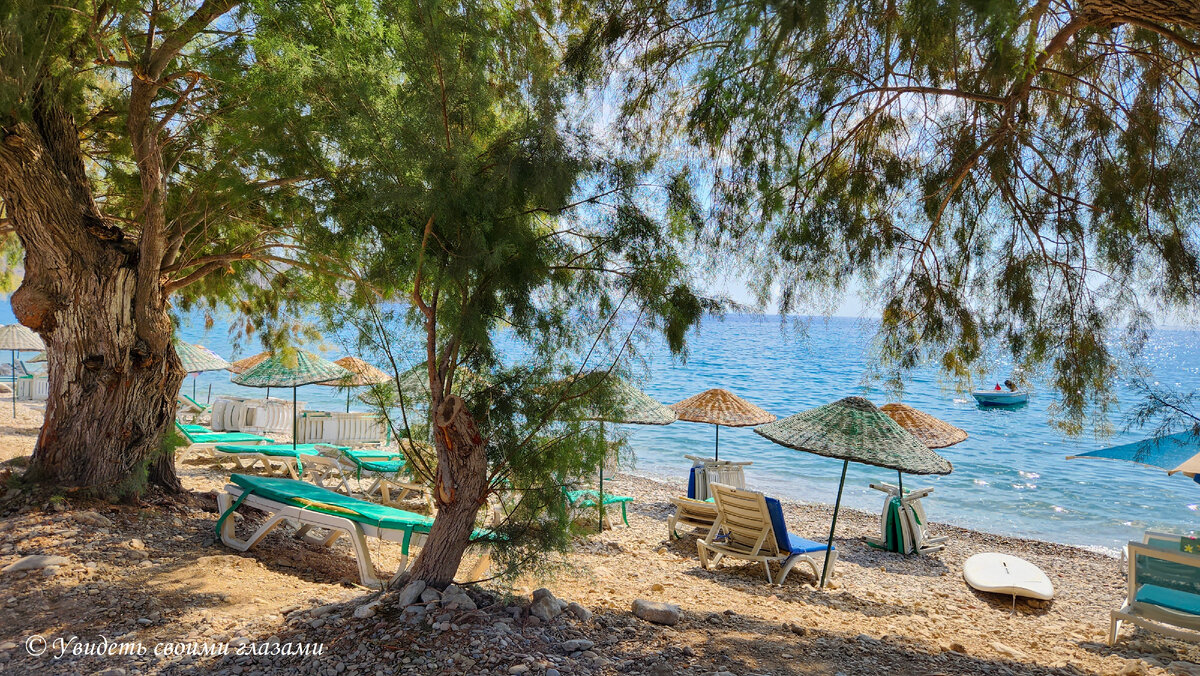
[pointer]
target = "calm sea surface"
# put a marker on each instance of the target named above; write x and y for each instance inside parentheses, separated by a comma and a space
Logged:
(1010, 477)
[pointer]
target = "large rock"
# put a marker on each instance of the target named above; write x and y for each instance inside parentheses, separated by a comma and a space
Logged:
(576, 644)
(656, 611)
(545, 607)
(34, 562)
(582, 614)
(410, 593)
(454, 597)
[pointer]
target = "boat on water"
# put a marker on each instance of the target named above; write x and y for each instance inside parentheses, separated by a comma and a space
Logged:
(986, 397)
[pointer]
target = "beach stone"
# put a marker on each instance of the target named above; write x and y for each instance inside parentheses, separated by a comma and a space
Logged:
(552, 672)
(410, 593)
(454, 597)
(137, 543)
(1183, 668)
(366, 610)
(576, 644)
(582, 614)
(93, 519)
(34, 562)
(545, 607)
(430, 595)
(1008, 651)
(656, 612)
(518, 668)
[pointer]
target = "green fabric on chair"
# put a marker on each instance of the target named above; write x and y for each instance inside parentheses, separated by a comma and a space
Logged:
(303, 494)
(1171, 599)
(195, 429)
(894, 530)
(1168, 574)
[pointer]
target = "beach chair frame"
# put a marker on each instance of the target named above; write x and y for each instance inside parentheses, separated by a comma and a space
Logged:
(1173, 623)
(695, 513)
(306, 520)
(913, 522)
(743, 531)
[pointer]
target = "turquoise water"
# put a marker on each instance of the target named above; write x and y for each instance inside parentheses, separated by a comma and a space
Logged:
(1010, 476)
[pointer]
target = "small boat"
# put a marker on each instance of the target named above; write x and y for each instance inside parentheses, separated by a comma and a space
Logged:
(987, 397)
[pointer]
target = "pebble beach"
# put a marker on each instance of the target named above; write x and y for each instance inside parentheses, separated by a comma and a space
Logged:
(154, 573)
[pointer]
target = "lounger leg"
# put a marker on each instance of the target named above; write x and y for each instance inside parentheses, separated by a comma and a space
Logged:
(481, 566)
(702, 554)
(1114, 626)
(229, 531)
(366, 570)
(624, 516)
(671, 534)
(399, 570)
(786, 566)
(767, 569)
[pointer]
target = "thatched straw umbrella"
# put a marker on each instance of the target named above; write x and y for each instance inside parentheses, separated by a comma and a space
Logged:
(931, 431)
(18, 338)
(720, 407)
(362, 374)
(853, 429)
(291, 368)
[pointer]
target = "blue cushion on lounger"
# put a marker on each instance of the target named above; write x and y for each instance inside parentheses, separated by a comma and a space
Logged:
(785, 540)
(692, 483)
(1172, 599)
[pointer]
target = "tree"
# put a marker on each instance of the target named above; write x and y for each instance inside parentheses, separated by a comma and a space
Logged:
(1006, 173)
(471, 194)
(136, 173)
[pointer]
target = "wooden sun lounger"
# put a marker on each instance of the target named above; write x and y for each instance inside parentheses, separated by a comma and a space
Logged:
(750, 526)
(689, 512)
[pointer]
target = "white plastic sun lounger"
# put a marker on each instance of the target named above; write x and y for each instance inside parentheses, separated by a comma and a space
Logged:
(312, 509)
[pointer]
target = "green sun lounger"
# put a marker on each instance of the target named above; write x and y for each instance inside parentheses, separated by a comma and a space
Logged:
(313, 507)
(586, 499)
(210, 439)
(334, 466)
(283, 459)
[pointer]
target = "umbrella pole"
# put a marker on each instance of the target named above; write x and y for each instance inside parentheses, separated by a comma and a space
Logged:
(13, 368)
(195, 377)
(208, 397)
(603, 459)
(294, 388)
(836, 506)
(347, 400)
(900, 479)
(717, 444)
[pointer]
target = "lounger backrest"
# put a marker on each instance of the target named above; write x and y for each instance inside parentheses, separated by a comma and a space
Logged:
(1163, 567)
(743, 518)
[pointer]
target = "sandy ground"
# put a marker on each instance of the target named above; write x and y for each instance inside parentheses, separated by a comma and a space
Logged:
(155, 572)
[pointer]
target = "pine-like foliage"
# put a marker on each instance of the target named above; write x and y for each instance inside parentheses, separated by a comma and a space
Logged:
(1023, 174)
(461, 177)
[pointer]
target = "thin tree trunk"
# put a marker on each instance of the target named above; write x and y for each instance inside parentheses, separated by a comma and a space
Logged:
(460, 491)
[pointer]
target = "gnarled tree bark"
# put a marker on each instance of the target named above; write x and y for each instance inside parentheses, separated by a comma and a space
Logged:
(112, 370)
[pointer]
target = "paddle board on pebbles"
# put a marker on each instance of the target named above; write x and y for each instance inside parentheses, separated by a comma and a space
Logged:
(1007, 574)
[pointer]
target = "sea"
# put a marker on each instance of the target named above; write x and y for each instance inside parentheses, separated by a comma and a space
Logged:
(1011, 476)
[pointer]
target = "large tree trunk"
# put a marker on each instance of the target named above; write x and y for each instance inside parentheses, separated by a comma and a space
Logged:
(460, 491)
(113, 372)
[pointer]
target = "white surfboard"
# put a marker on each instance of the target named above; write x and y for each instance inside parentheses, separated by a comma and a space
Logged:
(1007, 574)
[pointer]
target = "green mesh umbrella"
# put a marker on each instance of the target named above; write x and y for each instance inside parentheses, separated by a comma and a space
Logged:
(291, 368)
(18, 338)
(853, 429)
(628, 405)
(197, 359)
